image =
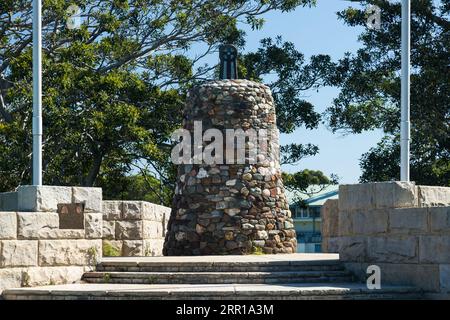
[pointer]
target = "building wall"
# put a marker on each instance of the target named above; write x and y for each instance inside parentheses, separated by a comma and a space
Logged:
(400, 227)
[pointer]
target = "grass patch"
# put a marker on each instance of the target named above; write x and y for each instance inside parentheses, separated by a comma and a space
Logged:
(257, 251)
(109, 250)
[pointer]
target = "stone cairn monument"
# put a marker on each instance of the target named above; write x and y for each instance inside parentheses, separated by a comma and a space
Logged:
(231, 207)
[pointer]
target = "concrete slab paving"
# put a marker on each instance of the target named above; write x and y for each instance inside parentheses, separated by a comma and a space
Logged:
(316, 257)
(101, 288)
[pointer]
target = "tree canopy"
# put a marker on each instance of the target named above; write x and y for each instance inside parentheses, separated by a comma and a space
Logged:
(370, 91)
(114, 88)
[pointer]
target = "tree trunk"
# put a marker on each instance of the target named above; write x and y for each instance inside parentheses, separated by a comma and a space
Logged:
(3, 112)
(95, 169)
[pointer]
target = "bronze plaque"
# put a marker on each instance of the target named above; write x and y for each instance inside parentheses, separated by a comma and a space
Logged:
(71, 215)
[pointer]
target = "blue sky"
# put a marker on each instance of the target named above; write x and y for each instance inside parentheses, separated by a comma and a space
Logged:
(314, 31)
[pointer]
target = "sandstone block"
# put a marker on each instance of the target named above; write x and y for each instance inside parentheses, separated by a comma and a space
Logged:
(324, 245)
(153, 247)
(93, 225)
(133, 248)
(345, 226)
(444, 277)
(41, 276)
(359, 270)
(9, 201)
(69, 252)
(32, 224)
(109, 230)
(439, 219)
(330, 218)
(112, 210)
(90, 197)
(425, 277)
(356, 196)
(395, 194)
(61, 234)
(352, 249)
(18, 253)
(43, 198)
(433, 196)
(408, 220)
(434, 249)
(398, 249)
(132, 210)
(10, 278)
(332, 245)
(129, 230)
(8, 225)
(369, 222)
(160, 212)
(148, 211)
(152, 229)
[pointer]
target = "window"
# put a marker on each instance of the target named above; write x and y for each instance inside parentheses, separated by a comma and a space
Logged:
(309, 212)
(305, 213)
(315, 212)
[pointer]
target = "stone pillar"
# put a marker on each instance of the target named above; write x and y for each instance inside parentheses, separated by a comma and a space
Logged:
(230, 207)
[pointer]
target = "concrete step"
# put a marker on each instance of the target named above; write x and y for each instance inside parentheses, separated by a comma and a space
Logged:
(218, 277)
(223, 264)
(290, 291)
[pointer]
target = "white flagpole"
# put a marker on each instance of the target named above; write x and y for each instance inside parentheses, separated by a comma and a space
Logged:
(405, 130)
(37, 92)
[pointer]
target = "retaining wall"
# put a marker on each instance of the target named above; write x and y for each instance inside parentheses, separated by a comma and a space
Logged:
(36, 248)
(401, 227)
(134, 228)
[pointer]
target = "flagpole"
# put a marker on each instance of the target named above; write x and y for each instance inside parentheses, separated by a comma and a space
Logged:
(37, 92)
(405, 130)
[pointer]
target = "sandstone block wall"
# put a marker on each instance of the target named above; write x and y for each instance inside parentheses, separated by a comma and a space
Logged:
(401, 227)
(34, 250)
(134, 228)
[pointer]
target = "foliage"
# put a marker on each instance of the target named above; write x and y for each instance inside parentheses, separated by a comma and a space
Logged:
(114, 88)
(306, 183)
(257, 251)
(109, 250)
(301, 180)
(289, 76)
(370, 91)
(143, 187)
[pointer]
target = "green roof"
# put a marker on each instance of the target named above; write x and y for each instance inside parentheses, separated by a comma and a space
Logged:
(316, 195)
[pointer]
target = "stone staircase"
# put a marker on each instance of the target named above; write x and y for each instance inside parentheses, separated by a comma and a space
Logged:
(300, 277)
(218, 273)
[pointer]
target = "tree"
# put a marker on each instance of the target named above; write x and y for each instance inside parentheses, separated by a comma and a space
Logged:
(291, 77)
(301, 180)
(307, 183)
(114, 88)
(370, 91)
(142, 187)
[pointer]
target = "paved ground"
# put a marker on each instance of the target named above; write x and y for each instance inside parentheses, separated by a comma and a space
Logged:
(212, 291)
(216, 291)
(231, 258)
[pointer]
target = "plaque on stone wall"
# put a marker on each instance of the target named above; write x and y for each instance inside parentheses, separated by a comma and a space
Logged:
(71, 215)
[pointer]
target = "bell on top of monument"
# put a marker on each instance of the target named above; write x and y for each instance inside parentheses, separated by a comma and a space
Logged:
(228, 62)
